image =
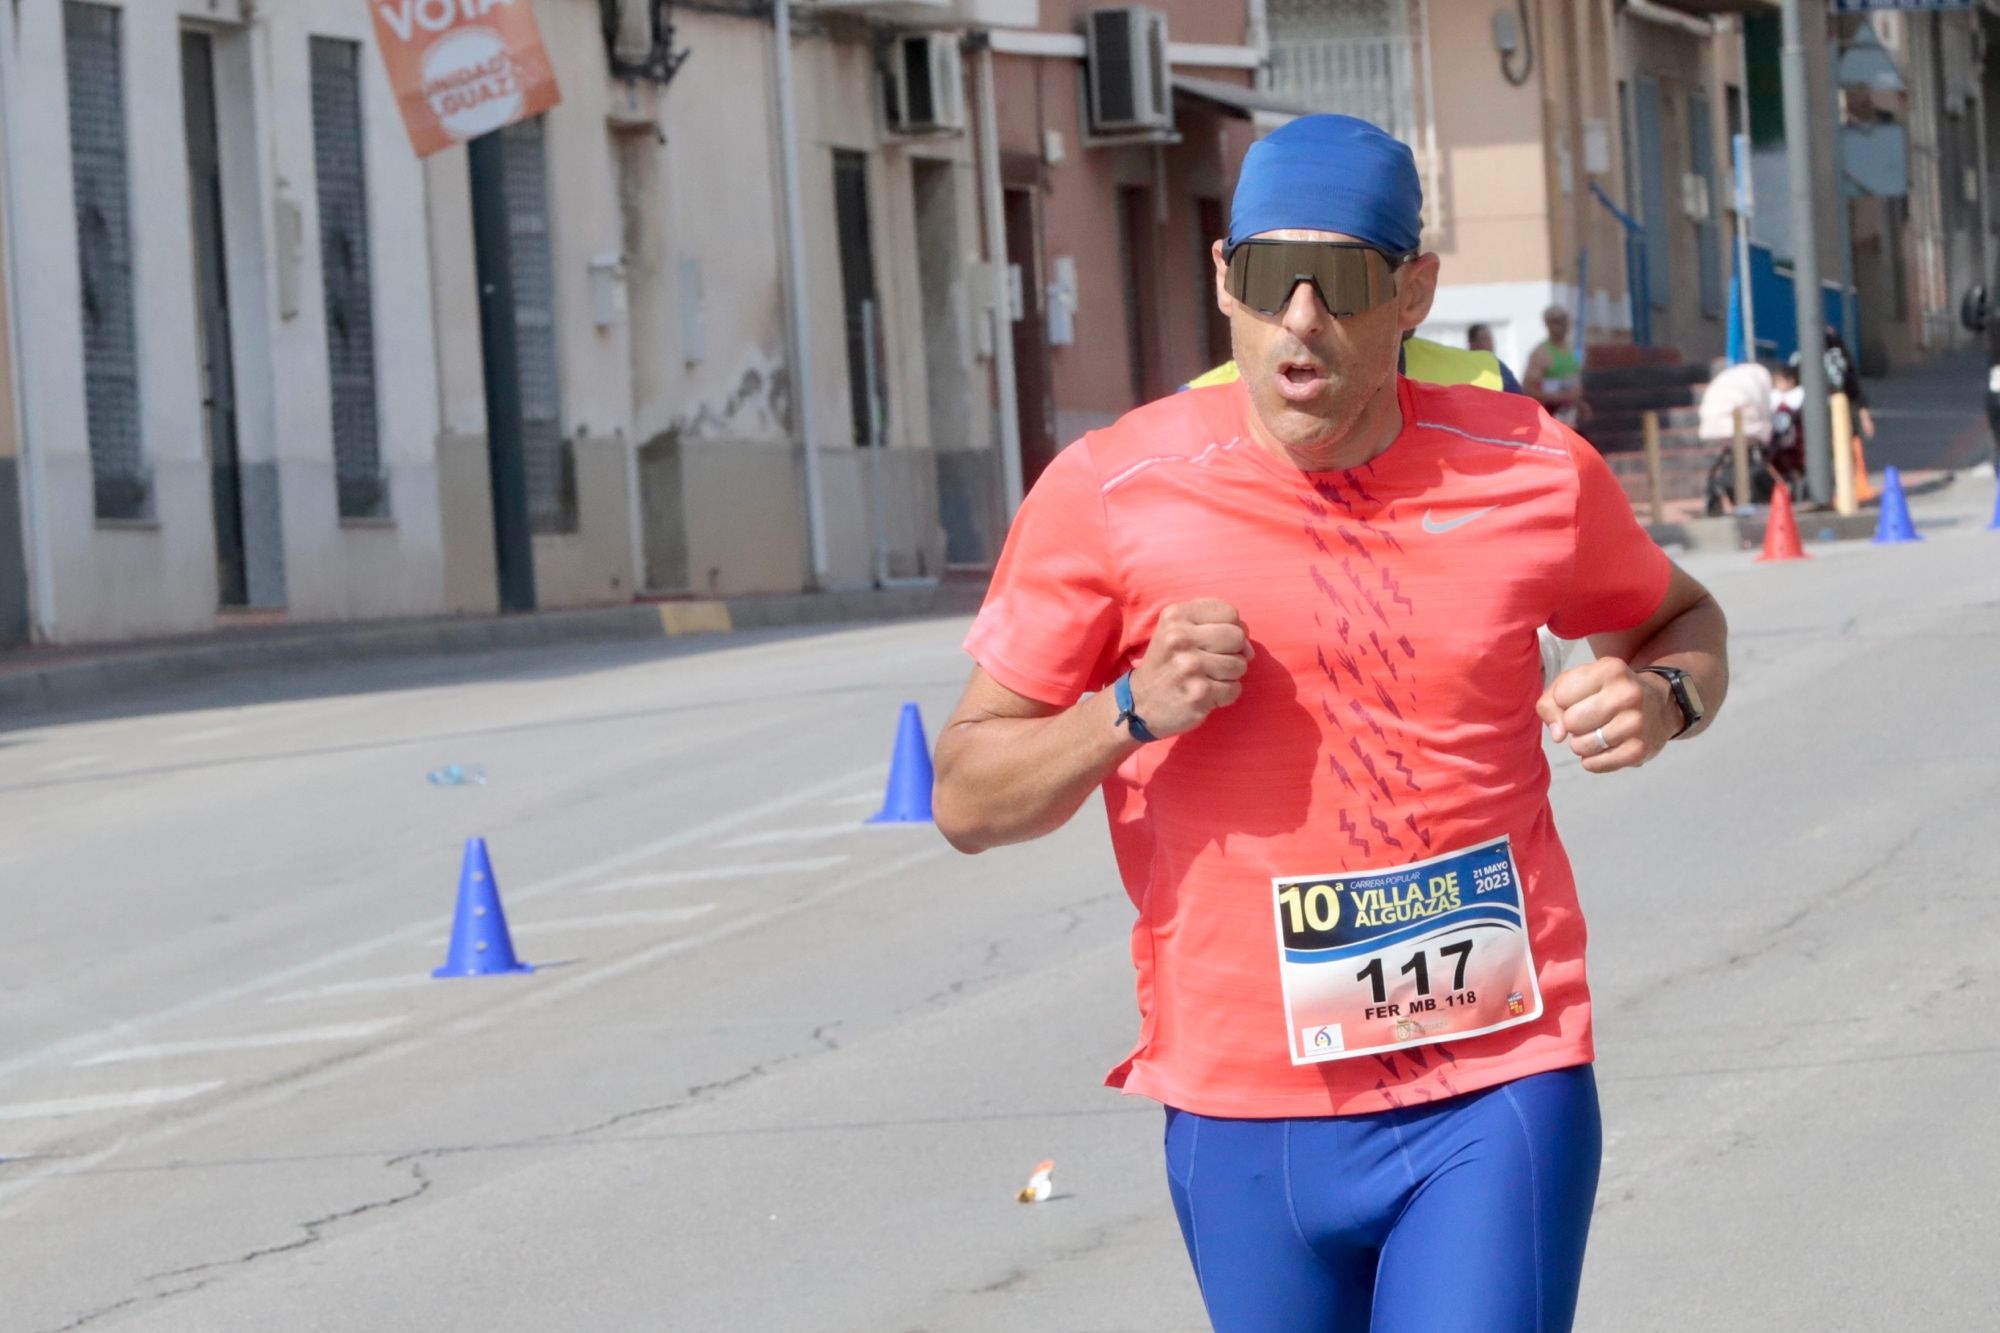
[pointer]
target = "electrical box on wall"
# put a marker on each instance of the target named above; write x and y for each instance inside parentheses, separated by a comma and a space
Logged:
(1596, 148)
(607, 289)
(291, 233)
(694, 327)
(1062, 301)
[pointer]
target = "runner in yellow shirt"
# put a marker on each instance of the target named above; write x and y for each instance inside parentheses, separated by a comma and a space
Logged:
(1424, 360)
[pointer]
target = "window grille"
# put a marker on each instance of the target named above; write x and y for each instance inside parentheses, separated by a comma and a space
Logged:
(94, 56)
(347, 277)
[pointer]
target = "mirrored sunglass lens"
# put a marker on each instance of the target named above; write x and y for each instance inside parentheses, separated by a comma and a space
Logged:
(1351, 279)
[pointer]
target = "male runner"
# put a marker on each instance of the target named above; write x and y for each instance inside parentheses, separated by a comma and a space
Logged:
(1554, 376)
(1306, 602)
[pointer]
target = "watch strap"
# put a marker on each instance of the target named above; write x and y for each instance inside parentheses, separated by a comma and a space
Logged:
(1127, 717)
(1676, 685)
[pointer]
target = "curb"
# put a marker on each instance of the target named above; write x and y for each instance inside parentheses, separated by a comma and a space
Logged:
(125, 670)
(1745, 532)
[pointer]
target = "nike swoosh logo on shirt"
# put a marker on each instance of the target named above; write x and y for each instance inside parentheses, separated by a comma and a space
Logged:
(1432, 525)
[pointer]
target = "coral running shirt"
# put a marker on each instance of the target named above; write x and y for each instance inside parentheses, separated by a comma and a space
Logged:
(1386, 720)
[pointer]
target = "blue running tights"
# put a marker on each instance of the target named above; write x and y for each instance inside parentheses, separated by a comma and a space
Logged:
(1461, 1216)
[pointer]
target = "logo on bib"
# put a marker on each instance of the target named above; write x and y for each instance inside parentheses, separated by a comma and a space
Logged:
(1323, 1038)
(1516, 1004)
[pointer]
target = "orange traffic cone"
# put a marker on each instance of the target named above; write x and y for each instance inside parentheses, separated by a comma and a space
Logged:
(1781, 532)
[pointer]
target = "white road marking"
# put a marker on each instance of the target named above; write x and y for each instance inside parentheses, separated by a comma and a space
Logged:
(106, 1101)
(408, 981)
(754, 870)
(858, 798)
(212, 733)
(70, 765)
(776, 836)
(526, 999)
(251, 1042)
(663, 917)
(416, 930)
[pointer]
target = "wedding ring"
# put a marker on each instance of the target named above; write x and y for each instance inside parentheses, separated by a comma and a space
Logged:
(1602, 744)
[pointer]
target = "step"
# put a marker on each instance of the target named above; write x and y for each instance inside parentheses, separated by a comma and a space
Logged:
(1656, 397)
(1644, 377)
(1673, 486)
(1620, 355)
(1621, 421)
(1635, 445)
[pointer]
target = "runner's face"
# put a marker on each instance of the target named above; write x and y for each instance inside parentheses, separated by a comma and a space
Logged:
(1312, 376)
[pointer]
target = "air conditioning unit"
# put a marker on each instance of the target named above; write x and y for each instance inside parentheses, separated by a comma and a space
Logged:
(923, 84)
(1131, 85)
(1695, 201)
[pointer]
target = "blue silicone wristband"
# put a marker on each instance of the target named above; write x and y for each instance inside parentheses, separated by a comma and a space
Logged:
(1130, 720)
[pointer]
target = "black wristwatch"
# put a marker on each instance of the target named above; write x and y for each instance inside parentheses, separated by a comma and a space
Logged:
(1686, 697)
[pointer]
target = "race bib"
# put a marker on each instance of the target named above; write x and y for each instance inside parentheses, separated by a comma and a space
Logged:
(1386, 959)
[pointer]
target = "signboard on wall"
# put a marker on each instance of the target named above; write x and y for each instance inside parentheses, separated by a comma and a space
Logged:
(463, 68)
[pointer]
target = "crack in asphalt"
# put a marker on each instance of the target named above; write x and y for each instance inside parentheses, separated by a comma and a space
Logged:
(314, 1229)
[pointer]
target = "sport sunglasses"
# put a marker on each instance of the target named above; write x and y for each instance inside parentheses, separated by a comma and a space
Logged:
(1348, 277)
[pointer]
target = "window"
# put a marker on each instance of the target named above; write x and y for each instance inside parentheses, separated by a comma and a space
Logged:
(1366, 58)
(94, 55)
(347, 278)
(1351, 57)
(548, 460)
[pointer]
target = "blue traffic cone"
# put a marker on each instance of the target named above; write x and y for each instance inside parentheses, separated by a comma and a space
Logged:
(1994, 526)
(908, 798)
(480, 944)
(1894, 525)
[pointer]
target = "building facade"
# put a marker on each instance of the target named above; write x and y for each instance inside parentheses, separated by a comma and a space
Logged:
(1574, 152)
(220, 296)
(244, 375)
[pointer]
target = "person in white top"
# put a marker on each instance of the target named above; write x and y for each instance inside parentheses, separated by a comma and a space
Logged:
(1744, 388)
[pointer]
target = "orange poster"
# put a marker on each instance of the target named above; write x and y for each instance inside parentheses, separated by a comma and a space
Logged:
(463, 68)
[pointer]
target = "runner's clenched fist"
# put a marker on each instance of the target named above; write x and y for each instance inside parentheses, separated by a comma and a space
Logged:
(1193, 666)
(1609, 716)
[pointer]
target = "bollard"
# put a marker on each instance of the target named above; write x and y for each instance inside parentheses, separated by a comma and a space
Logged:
(1740, 450)
(1655, 488)
(1844, 502)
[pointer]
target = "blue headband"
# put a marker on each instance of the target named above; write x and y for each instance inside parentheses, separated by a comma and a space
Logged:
(1330, 173)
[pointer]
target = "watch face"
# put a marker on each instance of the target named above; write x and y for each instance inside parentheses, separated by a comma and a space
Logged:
(1686, 684)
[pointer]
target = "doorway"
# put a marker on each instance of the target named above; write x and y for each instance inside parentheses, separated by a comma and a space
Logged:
(1034, 396)
(216, 350)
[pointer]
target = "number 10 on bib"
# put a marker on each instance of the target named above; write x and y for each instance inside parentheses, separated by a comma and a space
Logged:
(1381, 960)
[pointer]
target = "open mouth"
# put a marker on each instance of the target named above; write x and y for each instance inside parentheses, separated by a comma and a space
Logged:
(1300, 379)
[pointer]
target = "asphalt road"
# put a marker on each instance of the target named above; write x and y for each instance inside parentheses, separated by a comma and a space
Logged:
(778, 1070)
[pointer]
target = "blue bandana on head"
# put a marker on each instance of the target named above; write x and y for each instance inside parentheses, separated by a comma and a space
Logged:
(1330, 173)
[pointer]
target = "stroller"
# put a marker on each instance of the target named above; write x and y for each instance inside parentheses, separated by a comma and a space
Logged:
(1783, 459)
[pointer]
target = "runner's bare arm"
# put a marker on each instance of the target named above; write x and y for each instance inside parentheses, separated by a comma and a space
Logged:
(1011, 768)
(1637, 712)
